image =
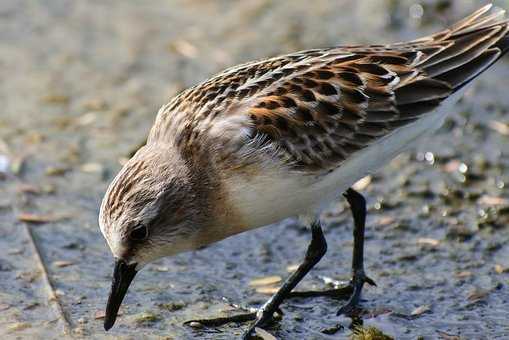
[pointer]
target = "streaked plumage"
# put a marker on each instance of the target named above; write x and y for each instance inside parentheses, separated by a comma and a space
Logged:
(283, 137)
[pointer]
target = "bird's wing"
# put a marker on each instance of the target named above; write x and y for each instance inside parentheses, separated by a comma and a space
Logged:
(313, 109)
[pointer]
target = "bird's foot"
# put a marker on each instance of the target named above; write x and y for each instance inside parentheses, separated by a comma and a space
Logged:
(358, 280)
(262, 318)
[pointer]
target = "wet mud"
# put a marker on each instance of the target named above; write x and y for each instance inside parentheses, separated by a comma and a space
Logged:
(81, 85)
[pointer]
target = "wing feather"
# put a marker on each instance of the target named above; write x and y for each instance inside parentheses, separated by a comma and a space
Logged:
(314, 109)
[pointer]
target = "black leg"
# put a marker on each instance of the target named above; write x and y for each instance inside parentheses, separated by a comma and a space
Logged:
(351, 292)
(264, 315)
(315, 252)
(358, 207)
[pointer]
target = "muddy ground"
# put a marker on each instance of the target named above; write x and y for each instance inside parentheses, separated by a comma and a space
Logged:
(80, 85)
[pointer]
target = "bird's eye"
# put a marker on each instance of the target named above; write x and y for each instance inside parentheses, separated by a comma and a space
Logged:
(139, 233)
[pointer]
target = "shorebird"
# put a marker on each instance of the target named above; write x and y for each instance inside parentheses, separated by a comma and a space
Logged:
(284, 137)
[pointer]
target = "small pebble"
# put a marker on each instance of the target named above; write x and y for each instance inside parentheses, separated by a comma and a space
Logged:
(195, 324)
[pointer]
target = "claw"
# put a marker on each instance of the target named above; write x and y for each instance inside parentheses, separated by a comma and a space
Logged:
(254, 329)
(356, 283)
(370, 281)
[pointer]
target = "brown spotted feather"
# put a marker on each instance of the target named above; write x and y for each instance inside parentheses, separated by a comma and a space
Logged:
(316, 108)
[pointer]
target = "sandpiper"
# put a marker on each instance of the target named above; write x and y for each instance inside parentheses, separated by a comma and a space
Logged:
(283, 137)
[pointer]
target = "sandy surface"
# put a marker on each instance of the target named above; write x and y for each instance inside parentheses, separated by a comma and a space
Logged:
(81, 84)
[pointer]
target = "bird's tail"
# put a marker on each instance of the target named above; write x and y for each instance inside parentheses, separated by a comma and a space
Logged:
(467, 48)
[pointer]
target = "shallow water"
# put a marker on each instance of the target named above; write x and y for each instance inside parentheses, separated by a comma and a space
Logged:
(81, 84)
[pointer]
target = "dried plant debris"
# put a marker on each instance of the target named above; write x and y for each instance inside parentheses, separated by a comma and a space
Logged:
(183, 48)
(267, 290)
(493, 200)
(428, 241)
(18, 326)
(92, 168)
(29, 276)
(266, 285)
(100, 314)
(265, 281)
(146, 319)
(62, 263)
(500, 127)
(264, 335)
(369, 333)
(416, 313)
(463, 274)
(40, 218)
(478, 294)
(57, 170)
(56, 98)
(172, 306)
(332, 330)
(460, 232)
(446, 336)
(421, 310)
(499, 269)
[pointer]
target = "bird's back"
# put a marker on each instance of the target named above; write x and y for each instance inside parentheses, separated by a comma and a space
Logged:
(302, 127)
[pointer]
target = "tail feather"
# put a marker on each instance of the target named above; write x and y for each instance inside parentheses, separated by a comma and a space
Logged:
(459, 77)
(447, 61)
(471, 19)
(467, 48)
(503, 44)
(463, 50)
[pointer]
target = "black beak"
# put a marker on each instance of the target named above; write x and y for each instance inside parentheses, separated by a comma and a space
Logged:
(123, 274)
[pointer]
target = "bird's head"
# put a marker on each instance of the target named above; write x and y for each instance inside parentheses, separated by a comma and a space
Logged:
(154, 207)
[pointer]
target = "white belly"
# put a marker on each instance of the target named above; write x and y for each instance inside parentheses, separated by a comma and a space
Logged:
(277, 194)
(383, 151)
